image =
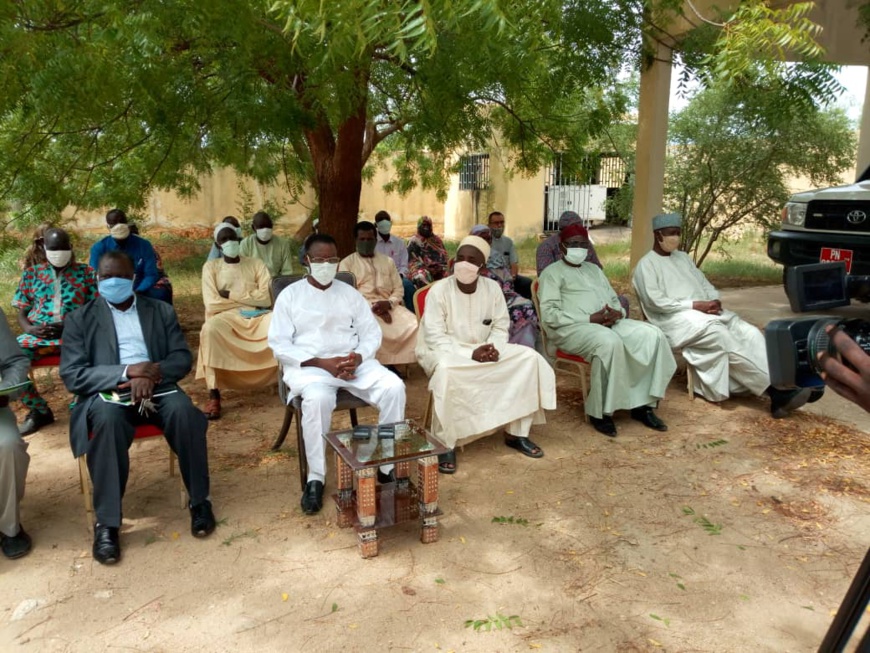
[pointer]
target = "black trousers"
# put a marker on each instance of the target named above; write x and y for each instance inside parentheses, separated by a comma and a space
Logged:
(112, 427)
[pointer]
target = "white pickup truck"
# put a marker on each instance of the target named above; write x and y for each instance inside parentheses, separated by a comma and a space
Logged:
(832, 224)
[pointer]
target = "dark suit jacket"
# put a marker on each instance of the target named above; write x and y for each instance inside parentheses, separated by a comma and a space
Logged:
(89, 361)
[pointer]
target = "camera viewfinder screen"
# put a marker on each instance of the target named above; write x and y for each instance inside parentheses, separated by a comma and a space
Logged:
(824, 286)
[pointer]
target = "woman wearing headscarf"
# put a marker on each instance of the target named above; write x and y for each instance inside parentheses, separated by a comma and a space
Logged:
(35, 252)
(524, 320)
(427, 256)
(233, 347)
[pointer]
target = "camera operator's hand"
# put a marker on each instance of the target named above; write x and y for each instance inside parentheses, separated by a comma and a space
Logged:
(853, 384)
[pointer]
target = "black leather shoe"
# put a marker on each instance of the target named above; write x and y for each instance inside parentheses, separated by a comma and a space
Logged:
(312, 498)
(524, 446)
(202, 521)
(17, 545)
(107, 544)
(646, 416)
(35, 421)
(383, 479)
(604, 425)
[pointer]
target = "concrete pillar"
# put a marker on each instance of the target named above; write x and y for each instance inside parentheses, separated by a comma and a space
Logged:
(652, 134)
(864, 129)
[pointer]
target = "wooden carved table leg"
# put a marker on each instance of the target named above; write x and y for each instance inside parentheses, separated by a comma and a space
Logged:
(427, 487)
(344, 483)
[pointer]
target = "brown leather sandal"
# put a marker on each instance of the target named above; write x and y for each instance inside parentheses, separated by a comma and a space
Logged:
(212, 409)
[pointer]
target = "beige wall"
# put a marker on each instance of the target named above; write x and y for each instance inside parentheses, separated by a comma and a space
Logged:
(521, 199)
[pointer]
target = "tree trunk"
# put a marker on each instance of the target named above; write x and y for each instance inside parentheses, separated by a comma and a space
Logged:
(338, 190)
(338, 163)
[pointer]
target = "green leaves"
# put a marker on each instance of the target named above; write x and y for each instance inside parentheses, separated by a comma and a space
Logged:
(498, 622)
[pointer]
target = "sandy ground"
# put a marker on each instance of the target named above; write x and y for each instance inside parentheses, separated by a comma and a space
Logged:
(732, 532)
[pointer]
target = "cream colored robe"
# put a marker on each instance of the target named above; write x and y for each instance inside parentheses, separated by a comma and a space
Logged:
(233, 350)
(727, 354)
(470, 397)
(377, 279)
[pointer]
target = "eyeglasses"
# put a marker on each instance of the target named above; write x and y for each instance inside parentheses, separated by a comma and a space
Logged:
(334, 260)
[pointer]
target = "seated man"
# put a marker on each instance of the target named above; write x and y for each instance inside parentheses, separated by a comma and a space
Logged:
(233, 343)
(14, 459)
(272, 250)
(46, 294)
(162, 288)
(325, 335)
(479, 381)
(631, 361)
(727, 354)
(233, 221)
(503, 259)
(396, 249)
(550, 250)
(378, 280)
(138, 249)
(124, 342)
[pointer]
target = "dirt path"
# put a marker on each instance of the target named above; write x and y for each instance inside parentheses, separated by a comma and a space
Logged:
(732, 532)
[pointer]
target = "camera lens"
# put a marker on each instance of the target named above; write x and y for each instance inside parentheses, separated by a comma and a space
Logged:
(818, 341)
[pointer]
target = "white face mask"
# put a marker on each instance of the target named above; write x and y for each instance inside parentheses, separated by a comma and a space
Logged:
(576, 255)
(231, 248)
(323, 273)
(120, 231)
(384, 226)
(670, 243)
(59, 258)
(238, 231)
(465, 272)
(264, 235)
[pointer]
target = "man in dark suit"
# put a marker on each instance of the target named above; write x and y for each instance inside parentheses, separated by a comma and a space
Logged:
(132, 343)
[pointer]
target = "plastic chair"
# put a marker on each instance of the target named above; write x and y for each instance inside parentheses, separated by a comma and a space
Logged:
(142, 432)
(570, 364)
(344, 400)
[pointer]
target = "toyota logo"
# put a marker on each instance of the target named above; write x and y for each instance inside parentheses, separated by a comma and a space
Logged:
(856, 217)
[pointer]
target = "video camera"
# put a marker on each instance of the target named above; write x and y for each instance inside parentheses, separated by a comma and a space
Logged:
(793, 345)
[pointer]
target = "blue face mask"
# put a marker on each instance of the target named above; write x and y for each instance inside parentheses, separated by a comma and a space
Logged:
(115, 290)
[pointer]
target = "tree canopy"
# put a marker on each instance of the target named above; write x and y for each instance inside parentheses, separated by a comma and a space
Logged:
(732, 152)
(106, 100)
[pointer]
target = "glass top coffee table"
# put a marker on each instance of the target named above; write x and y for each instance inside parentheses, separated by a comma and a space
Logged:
(365, 504)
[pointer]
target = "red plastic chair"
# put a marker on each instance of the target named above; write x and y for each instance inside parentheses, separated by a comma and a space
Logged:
(569, 364)
(142, 432)
(419, 307)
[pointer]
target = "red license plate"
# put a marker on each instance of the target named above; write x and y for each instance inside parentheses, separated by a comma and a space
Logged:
(832, 255)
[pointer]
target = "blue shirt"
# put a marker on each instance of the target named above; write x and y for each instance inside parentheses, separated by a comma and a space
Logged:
(138, 249)
(128, 331)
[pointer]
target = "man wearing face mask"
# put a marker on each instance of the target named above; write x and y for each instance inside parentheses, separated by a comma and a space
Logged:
(478, 380)
(396, 249)
(325, 335)
(137, 248)
(727, 354)
(46, 294)
(631, 361)
(233, 221)
(273, 250)
(129, 343)
(378, 281)
(503, 259)
(233, 348)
